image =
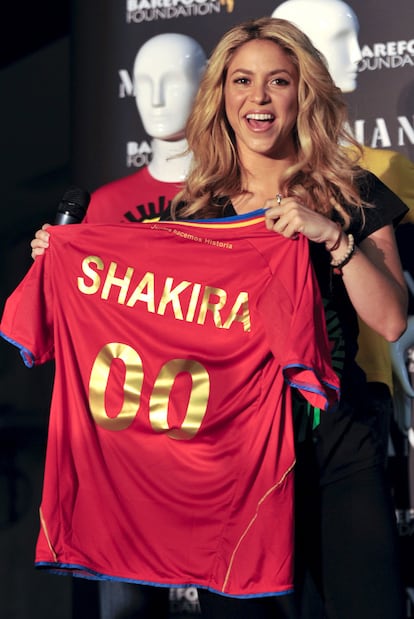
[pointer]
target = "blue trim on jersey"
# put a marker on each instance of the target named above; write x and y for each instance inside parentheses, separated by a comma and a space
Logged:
(27, 356)
(310, 388)
(243, 216)
(79, 571)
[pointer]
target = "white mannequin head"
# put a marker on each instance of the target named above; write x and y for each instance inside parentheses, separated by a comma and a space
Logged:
(167, 72)
(332, 26)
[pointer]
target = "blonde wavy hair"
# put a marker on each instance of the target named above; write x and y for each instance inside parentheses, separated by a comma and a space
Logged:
(323, 176)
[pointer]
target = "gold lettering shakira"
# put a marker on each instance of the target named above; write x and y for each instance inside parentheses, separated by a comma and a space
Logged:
(188, 301)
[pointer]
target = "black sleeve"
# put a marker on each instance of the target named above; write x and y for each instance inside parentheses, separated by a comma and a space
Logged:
(386, 207)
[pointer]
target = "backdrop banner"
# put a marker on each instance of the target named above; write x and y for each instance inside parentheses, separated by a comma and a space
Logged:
(108, 137)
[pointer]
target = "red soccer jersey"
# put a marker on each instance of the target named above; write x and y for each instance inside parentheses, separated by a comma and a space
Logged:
(170, 452)
(133, 198)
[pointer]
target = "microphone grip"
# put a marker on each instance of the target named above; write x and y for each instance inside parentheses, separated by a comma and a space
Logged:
(72, 207)
(66, 218)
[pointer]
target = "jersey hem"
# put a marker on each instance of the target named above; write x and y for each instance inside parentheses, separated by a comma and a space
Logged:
(80, 571)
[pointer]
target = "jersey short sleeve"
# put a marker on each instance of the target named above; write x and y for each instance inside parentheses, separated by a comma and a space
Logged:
(28, 316)
(300, 341)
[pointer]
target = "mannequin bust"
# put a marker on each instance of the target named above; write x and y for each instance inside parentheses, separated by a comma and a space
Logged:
(167, 72)
(333, 27)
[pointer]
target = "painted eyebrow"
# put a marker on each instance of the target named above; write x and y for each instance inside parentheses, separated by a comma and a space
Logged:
(274, 72)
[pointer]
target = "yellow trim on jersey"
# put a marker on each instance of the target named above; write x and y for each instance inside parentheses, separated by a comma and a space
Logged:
(223, 223)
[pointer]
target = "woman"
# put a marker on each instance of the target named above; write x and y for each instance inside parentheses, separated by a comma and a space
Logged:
(266, 131)
(268, 121)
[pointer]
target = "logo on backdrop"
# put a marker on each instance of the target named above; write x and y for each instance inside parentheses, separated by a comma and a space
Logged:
(380, 133)
(138, 11)
(126, 84)
(388, 55)
(405, 522)
(184, 601)
(138, 154)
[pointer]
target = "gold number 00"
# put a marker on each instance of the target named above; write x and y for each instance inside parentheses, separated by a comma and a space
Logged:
(159, 399)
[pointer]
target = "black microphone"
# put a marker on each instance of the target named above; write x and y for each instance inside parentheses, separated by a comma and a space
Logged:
(73, 205)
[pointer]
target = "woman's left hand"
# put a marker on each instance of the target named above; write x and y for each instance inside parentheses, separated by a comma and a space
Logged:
(373, 275)
(290, 217)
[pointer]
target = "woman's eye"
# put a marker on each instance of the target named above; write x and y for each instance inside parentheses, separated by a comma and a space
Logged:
(280, 81)
(241, 80)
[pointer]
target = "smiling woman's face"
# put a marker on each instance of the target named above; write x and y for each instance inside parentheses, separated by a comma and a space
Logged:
(261, 93)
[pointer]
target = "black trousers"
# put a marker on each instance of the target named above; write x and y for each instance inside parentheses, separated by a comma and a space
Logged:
(214, 606)
(347, 548)
(129, 601)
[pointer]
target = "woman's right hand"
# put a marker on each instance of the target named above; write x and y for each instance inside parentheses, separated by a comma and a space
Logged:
(40, 242)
